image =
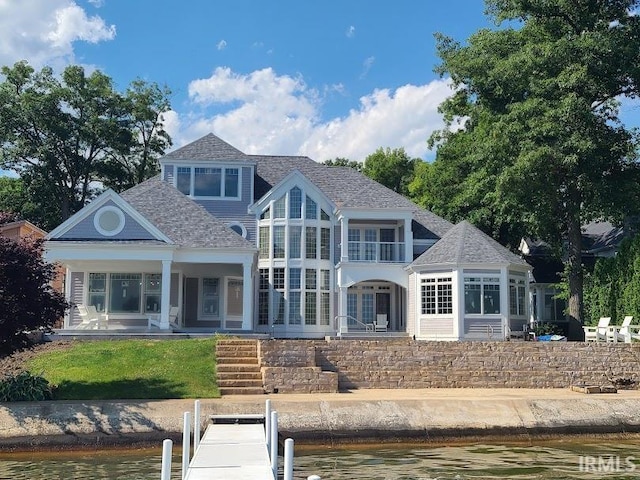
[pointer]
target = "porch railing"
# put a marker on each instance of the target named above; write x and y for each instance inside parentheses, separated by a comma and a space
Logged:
(376, 252)
(347, 323)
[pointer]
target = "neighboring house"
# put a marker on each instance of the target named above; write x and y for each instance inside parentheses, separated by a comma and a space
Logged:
(599, 239)
(21, 229)
(284, 246)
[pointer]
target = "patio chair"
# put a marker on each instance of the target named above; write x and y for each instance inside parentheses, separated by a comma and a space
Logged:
(625, 332)
(90, 318)
(599, 333)
(154, 320)
(381, 322)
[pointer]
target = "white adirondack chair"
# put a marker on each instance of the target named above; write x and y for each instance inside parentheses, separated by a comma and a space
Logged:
(625, 332)
(599, 333)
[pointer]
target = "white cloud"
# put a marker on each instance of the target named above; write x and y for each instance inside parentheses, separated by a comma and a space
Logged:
(351, 31)
(263, 113)
(44, 31)
(366, 66)
(221, 45)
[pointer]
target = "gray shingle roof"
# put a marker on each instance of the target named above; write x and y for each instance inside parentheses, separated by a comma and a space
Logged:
(185, 222)
(345, 187)
(466, 244)
(208, 147)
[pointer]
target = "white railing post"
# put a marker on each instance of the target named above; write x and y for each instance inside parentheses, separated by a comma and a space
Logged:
(196, 425)
(267, 423)
(274, 444)
(167, 450)
(288, 459)
(186, 440)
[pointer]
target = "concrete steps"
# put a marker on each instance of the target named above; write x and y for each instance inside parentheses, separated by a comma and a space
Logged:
(238, 370)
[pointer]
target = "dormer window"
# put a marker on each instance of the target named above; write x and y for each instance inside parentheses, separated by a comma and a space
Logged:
(208, 182)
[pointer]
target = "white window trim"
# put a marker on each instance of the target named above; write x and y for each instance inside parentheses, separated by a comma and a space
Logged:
(222, 196)
(101, 212)
(242, 227)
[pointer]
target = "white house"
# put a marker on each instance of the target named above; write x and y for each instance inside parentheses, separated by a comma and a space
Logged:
(285, 246)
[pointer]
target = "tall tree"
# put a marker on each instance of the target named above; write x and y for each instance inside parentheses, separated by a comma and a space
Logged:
(391, 167)
(344, 162)
(62, 131)
(541, 142)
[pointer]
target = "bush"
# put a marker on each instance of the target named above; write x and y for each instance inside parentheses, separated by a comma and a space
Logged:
(25, 387)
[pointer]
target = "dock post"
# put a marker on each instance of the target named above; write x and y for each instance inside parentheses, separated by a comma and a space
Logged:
(167, 448)
(196, 425)
(288, 459)
(274, 443)
(186, 441)
(267, 423)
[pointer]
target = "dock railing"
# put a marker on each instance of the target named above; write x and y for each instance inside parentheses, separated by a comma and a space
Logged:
(270, 422)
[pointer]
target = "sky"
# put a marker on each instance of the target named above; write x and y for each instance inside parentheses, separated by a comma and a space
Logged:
(336, 78)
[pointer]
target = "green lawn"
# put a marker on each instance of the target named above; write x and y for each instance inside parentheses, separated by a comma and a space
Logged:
(131, 369)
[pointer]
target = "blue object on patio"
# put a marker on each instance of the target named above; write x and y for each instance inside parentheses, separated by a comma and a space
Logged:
(552, 338)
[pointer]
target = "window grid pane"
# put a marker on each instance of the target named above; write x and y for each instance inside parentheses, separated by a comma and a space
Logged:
(279, 208)
(152, 292)
(278, 241)
(311, 209)
(183, 180)
(264, 242)
(231, 177)
(295, 278)
(310, 282)
(207, 182)
(325, 243)
(210, 296)
(311, 242)
(295, 241)
(325, 309)
(295, 203)
(310, 308)
(295, 317)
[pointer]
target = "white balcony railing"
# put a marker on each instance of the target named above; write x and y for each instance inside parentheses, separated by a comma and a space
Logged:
(376, 252)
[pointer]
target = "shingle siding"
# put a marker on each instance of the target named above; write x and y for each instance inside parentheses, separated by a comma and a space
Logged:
(85, 229)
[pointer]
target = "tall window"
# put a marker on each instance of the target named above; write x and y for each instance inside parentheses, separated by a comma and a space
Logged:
(183, 180)
(278, 296)
(354, 244)
(436, 296)
(279, 210)
(311, 242)
(231, 182)
(516, 297)
(98, 290)
(210, 296)
(264, 242)
(278, 241)
(295, 203)
(310, 308)
(152, 292)
(295, 240)
(311, 209)
(263, 297)
(482, 295)
(325, 243)
(295, 283)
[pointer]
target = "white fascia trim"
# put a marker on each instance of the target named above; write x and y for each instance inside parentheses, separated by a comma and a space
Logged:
(213, 163)
(96, 204)
(295, 177)
(61, 251)
(375, 213)
(215, 256)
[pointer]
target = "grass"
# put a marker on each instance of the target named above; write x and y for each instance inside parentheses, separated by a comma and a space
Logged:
(131, 369)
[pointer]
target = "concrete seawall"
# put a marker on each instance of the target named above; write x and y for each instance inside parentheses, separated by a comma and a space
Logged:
(429, 415)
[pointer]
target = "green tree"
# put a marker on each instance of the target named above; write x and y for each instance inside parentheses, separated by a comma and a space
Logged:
(344, 162)
(63, 131)
(391, 168)
(541, 144)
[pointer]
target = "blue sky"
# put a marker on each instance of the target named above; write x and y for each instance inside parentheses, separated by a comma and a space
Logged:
(323, 79)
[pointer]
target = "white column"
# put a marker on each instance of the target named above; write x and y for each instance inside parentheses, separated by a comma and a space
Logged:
(408, 241)
(247, 295)
(344, 239)
(165, 303)
(67, 293)
(504, 301)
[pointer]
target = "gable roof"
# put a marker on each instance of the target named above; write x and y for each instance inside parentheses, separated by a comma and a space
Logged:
(466, 244)
(182, 220)
(345, 187)
(209, 147)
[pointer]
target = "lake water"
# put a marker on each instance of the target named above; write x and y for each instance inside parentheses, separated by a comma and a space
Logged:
(574, 459)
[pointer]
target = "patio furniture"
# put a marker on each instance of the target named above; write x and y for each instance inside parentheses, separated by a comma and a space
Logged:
(91, 319)
(598, 333)
(154, 320)
(381, 322)
(625, 332)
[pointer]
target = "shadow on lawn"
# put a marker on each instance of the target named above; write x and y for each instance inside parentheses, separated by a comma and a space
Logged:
(119, 389)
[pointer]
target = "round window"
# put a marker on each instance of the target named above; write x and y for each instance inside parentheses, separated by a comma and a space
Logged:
(109, 221)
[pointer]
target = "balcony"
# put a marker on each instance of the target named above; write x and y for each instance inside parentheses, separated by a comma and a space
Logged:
(376, 252)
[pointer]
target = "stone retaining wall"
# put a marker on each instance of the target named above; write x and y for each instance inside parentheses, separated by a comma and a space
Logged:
(404, 363)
